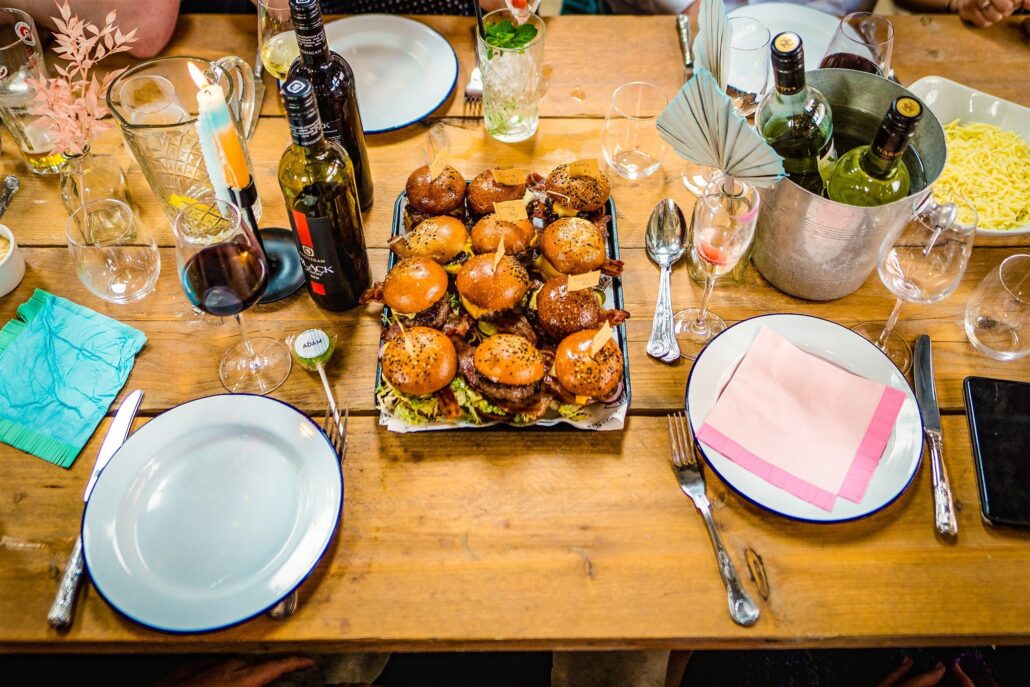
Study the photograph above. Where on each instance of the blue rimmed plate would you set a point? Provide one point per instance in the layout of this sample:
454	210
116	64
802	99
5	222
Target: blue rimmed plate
842	347
211	513
403	69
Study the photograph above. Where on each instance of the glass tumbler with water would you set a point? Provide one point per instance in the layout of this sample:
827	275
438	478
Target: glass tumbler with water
630	141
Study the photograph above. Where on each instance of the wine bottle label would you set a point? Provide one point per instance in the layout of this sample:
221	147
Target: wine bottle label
332	129
317	253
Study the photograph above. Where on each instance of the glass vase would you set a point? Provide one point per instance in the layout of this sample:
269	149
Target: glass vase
87	176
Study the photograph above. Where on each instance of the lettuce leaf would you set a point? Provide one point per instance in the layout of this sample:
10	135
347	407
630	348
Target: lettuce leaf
415	410
570	411
472	402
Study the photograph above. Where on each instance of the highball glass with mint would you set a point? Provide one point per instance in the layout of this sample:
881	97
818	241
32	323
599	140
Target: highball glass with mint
511	59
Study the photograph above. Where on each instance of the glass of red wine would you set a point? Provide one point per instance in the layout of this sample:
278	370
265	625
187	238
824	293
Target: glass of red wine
864	42
223	272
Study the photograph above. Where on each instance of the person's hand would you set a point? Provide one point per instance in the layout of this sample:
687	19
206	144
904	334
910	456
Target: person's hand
235	673
983	13
928	679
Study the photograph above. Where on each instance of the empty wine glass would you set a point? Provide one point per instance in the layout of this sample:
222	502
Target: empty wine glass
864	42
114	254
749	64
724	226
223	272
923	262
630	141
998	314
276	37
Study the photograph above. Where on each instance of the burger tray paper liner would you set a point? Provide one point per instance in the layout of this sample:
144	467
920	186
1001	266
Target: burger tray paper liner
603	417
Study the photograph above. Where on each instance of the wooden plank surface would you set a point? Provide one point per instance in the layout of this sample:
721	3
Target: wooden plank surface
553	539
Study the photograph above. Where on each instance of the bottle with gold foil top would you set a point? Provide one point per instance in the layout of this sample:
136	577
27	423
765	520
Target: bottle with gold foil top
875	174
796	119
317	180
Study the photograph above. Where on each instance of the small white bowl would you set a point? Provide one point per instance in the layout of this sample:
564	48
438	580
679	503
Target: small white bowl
949	101
12	265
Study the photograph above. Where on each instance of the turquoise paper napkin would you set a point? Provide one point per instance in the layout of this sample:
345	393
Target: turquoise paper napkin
61	366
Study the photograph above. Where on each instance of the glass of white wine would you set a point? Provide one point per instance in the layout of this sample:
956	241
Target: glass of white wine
923	263
276	37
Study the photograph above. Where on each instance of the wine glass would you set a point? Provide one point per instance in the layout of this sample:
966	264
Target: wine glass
630	141
864	42
923	262
746	84
276	37
748	77
223	272
724	226
114	255
998	314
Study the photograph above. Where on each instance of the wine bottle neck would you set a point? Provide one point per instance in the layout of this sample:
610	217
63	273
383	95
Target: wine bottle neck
885	151
311	38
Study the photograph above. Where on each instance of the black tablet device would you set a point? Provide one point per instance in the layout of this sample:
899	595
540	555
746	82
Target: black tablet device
999	427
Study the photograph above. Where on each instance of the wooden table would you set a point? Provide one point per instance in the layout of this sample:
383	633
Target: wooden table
539	539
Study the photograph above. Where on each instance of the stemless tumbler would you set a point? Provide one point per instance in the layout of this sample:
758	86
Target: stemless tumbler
114	255
998	314
630	141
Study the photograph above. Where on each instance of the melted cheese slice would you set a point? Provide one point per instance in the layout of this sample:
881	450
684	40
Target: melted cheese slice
563	211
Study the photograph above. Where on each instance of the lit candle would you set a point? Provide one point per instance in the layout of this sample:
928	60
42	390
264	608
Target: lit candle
219	142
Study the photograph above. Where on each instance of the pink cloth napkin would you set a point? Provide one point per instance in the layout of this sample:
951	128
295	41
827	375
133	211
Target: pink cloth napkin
802	423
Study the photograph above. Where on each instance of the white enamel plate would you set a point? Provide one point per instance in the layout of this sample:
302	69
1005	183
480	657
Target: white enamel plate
815	28
212	513
843	348
403	69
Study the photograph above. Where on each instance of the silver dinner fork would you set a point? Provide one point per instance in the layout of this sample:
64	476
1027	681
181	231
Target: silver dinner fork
335	429
474	88
687	467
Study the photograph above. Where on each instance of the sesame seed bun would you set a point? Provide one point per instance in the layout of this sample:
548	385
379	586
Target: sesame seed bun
582	194
485	291
572	246
509	359
413	285
438	238
437	196
487	233
484	191
423	365
578	372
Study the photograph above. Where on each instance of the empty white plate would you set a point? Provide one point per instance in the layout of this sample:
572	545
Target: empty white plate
211	513
815	28
403	69
842	347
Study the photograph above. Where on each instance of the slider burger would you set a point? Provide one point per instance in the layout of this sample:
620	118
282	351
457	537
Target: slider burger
506	369
444	195
488	232
416	291
484	191
487	292
443	239
561	312
419	365
573	196
581	378
574	246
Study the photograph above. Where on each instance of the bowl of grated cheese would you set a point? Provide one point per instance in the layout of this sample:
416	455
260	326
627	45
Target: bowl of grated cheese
988	141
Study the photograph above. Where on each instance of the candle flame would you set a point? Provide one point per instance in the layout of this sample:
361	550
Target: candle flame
197	75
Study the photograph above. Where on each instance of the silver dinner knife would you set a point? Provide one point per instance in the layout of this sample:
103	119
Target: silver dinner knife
926	394
683	29
60	615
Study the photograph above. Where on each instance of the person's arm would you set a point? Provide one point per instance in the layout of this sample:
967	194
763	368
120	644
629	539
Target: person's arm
980	13
154	20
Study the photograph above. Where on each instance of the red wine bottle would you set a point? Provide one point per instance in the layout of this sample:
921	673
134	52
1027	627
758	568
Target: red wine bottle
317	180
333	81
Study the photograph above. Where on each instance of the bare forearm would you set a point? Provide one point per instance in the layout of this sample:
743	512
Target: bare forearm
927	6
154	20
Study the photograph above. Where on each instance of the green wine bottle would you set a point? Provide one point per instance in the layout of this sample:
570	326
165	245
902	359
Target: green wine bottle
317	180
795	118
875	174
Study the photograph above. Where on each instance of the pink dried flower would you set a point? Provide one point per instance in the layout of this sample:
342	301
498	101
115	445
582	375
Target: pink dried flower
71	104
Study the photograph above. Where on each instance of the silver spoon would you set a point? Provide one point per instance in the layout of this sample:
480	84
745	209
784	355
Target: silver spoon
664	239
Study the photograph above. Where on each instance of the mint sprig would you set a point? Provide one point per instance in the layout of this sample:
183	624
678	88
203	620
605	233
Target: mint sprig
504	34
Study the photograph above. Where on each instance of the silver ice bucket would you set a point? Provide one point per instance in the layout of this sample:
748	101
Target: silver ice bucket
814	248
